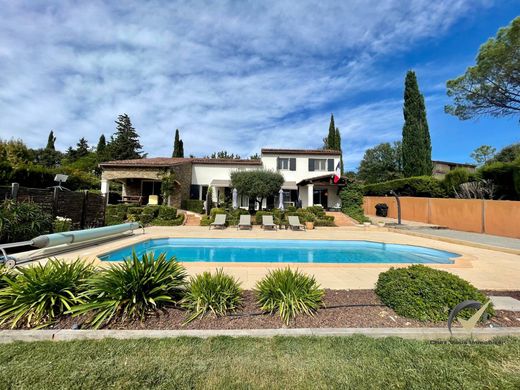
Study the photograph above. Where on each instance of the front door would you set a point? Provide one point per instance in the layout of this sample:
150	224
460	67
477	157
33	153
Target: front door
320	197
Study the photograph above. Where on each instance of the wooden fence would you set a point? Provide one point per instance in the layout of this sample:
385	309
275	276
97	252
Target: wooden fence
498	217
85	209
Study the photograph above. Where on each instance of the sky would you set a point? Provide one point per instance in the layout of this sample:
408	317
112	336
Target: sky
242	75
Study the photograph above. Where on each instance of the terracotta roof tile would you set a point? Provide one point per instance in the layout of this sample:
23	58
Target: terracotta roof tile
171	161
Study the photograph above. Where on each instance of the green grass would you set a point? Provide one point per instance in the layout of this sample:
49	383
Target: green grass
277	363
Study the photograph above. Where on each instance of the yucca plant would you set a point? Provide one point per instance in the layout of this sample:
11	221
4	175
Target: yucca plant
37	295
289	293
217	293
133	289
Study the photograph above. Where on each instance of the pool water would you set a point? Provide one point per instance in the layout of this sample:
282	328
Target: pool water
283	251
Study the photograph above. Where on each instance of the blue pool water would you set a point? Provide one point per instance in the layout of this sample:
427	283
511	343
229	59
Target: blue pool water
283	251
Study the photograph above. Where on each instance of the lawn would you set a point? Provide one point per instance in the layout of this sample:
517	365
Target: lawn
281	362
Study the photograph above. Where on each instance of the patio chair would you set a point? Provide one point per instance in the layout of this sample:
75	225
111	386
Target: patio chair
294	223
245	222
220	221
267	222
153	200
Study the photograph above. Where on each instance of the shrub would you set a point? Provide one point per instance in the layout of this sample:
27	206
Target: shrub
259	214
325	221
167	212
39	294
151	210
205	221
425	293
233	217
289	293
505	176
318	211
195	205
145	219
168	222
132	289
216	293
454	178
115	214
61	224
4	273
422	186
22	221
352	202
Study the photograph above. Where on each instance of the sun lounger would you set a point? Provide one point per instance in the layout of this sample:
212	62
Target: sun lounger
220	221
245	222
267	222
294	223
153	200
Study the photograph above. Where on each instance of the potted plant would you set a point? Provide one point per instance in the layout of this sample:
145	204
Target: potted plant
309	225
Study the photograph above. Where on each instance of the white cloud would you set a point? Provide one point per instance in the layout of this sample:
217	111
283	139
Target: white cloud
230	75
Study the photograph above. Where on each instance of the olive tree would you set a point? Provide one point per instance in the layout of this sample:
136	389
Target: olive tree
257	184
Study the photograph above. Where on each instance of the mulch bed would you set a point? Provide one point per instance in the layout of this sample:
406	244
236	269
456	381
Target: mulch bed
343	309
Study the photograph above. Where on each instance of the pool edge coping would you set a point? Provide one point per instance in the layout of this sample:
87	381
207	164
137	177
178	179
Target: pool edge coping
479	334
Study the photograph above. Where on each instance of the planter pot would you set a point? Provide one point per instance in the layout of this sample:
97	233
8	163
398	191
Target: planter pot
381	224
367	224
309	225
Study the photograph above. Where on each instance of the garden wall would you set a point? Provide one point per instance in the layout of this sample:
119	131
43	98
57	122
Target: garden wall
498	217
85	209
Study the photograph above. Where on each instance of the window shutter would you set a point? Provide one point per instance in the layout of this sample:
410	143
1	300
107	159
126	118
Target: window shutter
278	163
311	164
292	164
330	162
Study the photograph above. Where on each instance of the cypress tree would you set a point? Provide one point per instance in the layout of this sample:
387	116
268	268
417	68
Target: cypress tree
50	141
338	147
331	142
125	143
416	145
181	148
176	145
101	149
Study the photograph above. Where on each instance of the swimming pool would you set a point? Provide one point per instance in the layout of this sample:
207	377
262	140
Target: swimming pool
216	250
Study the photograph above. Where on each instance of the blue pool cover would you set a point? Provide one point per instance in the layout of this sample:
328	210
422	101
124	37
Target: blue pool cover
284	251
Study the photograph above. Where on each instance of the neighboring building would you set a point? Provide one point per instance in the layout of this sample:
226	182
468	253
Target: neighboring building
441	168
308	177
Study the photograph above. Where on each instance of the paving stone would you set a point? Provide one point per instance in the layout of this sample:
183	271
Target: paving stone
505	303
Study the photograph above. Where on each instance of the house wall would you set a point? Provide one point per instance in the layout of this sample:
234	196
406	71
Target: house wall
302	165
203	174
497	217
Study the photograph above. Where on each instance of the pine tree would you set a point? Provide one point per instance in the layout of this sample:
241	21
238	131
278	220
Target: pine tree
416	145
50	141
101	149
330	142
125	143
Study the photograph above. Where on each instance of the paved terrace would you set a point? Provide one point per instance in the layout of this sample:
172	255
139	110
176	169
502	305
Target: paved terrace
486	269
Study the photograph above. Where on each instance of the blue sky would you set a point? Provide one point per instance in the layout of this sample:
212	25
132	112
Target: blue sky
242	75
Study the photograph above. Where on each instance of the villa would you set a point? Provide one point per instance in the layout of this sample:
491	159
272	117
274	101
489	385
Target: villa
308	177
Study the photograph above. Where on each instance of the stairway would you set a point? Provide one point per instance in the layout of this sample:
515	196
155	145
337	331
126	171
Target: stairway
192	219
341	219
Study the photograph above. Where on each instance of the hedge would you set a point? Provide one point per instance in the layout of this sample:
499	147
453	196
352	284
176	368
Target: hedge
160	215
421	186
352	202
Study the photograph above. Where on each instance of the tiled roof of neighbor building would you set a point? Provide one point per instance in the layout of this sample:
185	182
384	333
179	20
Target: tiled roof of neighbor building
162	162
147	162
301	151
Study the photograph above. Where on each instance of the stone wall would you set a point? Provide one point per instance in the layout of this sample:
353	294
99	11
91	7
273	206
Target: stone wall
132	178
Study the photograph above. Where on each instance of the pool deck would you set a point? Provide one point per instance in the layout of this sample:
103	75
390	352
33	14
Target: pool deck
485	268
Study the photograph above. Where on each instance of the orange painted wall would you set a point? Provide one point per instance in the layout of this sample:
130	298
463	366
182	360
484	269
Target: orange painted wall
496	217
502	218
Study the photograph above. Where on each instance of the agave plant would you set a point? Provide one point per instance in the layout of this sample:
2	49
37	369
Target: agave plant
37	295
216	293
132	289
289	293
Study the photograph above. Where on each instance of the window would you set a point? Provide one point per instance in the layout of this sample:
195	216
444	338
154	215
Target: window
287	164
194	191
321	164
